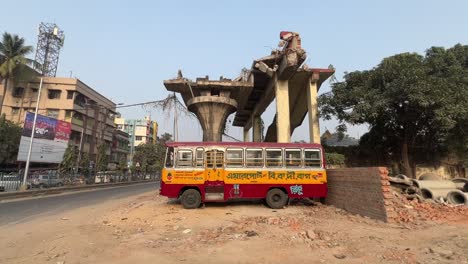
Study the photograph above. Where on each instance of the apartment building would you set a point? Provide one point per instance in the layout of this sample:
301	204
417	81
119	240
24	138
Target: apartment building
140	131
90	113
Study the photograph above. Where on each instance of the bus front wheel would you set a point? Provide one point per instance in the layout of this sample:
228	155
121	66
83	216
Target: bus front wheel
191	199
276	198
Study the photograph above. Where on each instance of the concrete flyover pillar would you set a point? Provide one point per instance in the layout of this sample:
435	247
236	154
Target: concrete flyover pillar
314	129
283	123
212	112
246	135
257	129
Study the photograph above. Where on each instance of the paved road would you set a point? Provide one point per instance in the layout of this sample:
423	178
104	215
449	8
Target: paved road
12	212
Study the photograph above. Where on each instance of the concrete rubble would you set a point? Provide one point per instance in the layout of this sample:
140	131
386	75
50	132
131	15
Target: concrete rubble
432	187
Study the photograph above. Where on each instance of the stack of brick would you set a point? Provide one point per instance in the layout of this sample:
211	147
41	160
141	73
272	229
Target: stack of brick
364	191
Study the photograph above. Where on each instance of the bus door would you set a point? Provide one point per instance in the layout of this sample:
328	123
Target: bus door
214	165
214	190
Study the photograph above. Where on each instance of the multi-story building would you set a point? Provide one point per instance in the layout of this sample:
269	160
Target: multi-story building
90	113
140	131
120	149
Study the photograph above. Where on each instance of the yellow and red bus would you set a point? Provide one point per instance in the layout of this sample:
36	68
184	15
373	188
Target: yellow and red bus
219	171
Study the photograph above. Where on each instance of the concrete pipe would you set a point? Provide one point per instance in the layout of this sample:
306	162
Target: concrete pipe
462	186
457	197
434	184
435	194
429	176
461	183
401	176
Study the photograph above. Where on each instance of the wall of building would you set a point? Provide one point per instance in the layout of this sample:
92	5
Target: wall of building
90	117
363	191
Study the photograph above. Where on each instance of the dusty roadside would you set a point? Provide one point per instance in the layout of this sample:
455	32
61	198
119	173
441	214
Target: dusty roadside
150	229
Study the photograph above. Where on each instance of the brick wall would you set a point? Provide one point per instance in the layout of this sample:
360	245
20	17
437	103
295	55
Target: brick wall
363	191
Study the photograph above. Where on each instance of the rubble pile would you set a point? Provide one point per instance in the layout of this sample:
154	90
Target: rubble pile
431	186
415	210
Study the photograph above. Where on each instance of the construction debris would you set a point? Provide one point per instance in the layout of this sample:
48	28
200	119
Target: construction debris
431	186
417	211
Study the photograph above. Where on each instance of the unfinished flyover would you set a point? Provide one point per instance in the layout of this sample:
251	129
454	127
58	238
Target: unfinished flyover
282	75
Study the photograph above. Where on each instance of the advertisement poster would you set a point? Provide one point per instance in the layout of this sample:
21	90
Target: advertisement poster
50	139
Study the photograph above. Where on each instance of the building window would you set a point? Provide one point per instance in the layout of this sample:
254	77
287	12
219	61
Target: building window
293	157
54	94
14	110
70	94
18	92
53	113
254	158
68	113
138	138
34	90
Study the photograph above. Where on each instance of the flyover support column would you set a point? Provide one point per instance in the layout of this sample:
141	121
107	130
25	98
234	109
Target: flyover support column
314	129
246	135
283	123
257	129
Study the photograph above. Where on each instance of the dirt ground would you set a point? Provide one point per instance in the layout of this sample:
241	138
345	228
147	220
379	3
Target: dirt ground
151	229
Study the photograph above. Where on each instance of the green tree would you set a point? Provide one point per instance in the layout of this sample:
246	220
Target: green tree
69	159
122	164
101	159
13	61
84	163
410	101
335	159
10	136
151	156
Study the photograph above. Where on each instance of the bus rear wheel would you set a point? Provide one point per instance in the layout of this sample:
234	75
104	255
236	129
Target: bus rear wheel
276	198
191	199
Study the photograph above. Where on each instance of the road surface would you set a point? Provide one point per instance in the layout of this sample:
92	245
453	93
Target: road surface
13	212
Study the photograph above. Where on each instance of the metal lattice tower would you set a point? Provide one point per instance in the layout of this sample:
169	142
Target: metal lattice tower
50	41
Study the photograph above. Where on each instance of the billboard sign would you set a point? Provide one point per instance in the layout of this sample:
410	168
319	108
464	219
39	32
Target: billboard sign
50	139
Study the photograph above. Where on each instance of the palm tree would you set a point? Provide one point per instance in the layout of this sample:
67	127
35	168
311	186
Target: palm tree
12	60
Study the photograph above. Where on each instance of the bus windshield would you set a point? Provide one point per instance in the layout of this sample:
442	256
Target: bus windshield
170	157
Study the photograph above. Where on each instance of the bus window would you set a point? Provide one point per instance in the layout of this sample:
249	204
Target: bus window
199	158
312	158
254	158
274	158
293	157
169	158
184	158
234	158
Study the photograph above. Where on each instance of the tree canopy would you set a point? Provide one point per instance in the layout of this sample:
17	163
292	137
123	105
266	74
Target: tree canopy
151	156
10	136
13	60
411	102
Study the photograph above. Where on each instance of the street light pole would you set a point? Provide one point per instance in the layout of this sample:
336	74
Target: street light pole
26	169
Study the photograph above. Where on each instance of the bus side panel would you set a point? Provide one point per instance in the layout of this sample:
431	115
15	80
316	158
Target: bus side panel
173	190
259	191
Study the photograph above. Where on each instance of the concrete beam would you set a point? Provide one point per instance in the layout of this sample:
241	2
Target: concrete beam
267	97
264	68
246	135
257	129
282	111
312	106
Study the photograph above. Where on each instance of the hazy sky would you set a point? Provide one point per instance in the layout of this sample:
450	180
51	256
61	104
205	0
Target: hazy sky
125	49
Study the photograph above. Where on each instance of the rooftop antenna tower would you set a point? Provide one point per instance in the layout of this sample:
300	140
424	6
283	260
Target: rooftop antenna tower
50	41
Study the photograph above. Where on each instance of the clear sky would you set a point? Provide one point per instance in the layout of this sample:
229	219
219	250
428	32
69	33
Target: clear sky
125	49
